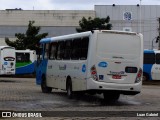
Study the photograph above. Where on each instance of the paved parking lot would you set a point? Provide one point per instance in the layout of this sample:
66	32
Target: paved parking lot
22	94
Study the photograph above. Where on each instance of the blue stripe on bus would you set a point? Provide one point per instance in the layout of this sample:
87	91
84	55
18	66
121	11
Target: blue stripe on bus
28	69
148	51
45	40
147	69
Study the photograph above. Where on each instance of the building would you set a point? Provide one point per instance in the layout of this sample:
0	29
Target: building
133	18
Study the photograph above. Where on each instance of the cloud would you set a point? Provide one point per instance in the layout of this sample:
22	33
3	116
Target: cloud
68	4
43	4
11	4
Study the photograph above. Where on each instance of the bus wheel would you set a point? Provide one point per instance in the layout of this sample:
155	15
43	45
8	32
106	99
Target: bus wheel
145	77
69	89
111	96
44	87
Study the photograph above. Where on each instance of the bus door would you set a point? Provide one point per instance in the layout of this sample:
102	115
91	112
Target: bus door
41	62
39	52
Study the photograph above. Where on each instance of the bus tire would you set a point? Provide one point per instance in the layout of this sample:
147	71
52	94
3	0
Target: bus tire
44	87
111	96
145	77
69	89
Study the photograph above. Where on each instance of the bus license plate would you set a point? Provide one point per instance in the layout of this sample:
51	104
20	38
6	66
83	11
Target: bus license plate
116	76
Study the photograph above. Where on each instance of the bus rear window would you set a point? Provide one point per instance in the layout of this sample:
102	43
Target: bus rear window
131	69
9	59
22	57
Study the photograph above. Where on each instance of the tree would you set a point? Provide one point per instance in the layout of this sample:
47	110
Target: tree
27	40
93	24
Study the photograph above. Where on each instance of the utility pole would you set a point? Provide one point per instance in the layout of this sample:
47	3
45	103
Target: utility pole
140	15
159	34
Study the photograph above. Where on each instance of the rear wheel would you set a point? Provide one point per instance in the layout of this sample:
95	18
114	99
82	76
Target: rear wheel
69	89
145	77
111	96
44	87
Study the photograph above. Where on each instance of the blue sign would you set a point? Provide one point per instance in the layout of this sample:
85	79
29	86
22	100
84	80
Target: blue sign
103	64
5	63
127	16
101	77
84	68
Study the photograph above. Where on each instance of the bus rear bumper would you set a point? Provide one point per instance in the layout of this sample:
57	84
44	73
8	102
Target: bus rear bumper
126	89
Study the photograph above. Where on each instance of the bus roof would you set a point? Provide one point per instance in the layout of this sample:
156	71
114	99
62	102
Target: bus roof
25	51
70	36
151	51
1	47
83	34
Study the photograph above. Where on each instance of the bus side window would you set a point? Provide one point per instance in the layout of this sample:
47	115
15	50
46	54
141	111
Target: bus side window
46	50
68	48
84	48
39	52
76	50
158	58
27	57
149	58
60	50
18	57
53	51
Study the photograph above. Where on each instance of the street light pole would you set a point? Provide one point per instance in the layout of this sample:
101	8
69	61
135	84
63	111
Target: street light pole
159	34
140	18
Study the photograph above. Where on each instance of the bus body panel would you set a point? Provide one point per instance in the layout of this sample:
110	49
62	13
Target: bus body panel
122	88
118	56
57	76
7	57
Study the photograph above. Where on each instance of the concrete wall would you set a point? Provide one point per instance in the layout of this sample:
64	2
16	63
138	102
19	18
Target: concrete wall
43	17
54	22
149	22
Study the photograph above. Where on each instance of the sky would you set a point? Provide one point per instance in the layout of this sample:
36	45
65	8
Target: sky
68	4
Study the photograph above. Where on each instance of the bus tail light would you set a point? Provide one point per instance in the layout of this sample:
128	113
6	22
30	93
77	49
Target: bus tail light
139	76
94	73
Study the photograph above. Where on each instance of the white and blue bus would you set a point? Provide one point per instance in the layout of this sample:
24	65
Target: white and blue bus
100	61
25	61
7	60
151	65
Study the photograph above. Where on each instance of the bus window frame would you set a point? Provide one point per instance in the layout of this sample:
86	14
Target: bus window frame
67	49
77	49
60	51
84	48
54	55
157	58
